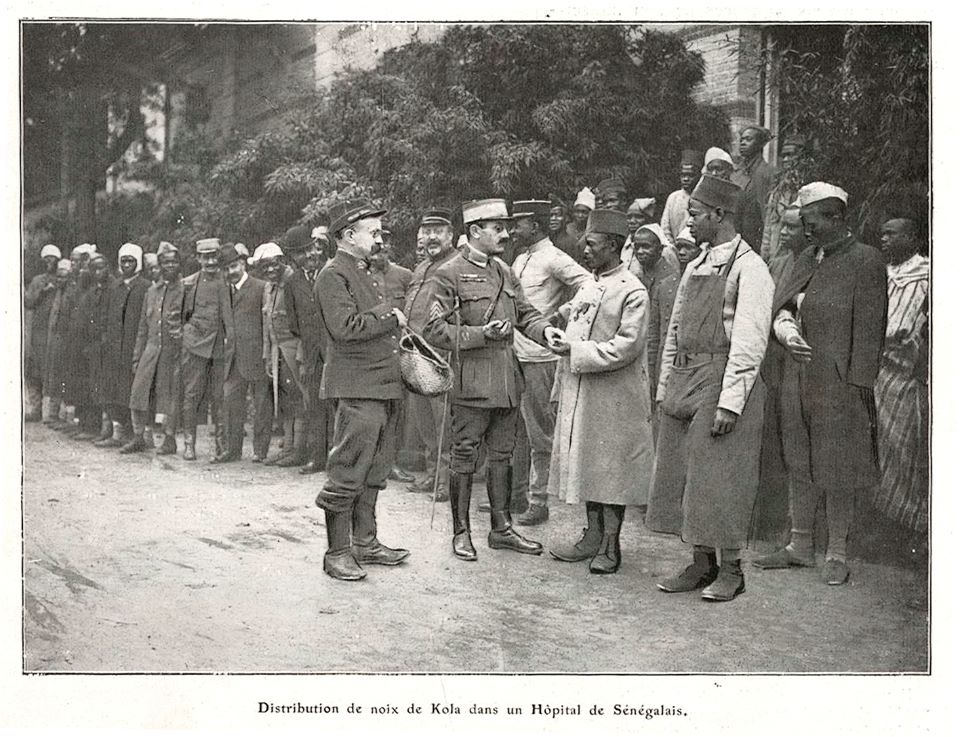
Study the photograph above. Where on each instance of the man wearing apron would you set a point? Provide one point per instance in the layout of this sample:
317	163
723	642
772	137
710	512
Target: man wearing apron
710	395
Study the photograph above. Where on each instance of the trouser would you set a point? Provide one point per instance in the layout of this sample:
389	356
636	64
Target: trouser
201	378
320	416
804	499
235	412
363	452
494	426
540	418
520	478
428	412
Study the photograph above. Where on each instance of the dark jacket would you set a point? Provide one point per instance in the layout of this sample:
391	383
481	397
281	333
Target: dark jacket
38	299
90	322
360	333
156	355
203	333
304	317
662	285
417	302
243	328
123	321
488	373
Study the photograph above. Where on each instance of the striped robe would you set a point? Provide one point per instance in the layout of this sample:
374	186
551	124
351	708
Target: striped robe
902	401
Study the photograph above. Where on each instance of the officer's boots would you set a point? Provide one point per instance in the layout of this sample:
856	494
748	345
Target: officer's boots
460	486
367	548
589	543
502	535
338	561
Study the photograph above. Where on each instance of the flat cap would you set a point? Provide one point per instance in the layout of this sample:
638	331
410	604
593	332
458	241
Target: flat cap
346	213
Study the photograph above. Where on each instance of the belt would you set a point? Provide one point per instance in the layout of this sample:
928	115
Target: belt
685	359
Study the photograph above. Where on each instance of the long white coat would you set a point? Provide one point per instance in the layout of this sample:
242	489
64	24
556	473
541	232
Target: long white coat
603	443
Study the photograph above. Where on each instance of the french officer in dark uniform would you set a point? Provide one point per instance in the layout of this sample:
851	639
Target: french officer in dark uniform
361	333
488	381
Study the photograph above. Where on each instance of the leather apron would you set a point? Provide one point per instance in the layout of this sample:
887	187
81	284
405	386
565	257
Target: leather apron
704	487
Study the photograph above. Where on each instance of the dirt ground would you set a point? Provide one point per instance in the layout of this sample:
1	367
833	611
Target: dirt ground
145	564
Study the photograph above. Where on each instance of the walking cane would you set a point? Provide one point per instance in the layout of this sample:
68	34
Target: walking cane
446	409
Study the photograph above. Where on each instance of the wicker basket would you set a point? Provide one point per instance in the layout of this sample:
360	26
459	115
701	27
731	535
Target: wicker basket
422	369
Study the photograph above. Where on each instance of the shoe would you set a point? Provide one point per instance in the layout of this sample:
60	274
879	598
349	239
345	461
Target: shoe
106	433
379	554
835	572
510	539
702	572
343	566
84	436
588	544
423	486
311	467
536	514
783	558
226	457
607	559
168	447
110	442
136	445
397	474
274	460
728	585
189	451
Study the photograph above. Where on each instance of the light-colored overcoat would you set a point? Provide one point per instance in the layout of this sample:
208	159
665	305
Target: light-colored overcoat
603	443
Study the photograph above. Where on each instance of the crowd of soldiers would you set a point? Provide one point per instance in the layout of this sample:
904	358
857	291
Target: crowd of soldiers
724	368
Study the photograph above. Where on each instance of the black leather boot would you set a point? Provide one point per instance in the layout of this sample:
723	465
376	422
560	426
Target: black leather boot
460	486
502	535
589	543
338	561
607	559
366	547
702	572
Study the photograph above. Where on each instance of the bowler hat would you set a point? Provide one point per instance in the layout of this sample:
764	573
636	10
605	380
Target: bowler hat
228	254
347	212
296	239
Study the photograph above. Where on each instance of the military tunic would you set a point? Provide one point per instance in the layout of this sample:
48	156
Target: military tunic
488	380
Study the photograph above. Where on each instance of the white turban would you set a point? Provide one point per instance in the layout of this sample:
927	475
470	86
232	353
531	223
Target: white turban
263	251
686	235
83	248
713	154
642	204
586	198
816	191
50	250
657	231
131	249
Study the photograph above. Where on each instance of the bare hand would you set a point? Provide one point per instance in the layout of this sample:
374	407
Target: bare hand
497	330
268	368
557	341
799	349
723	422
401	318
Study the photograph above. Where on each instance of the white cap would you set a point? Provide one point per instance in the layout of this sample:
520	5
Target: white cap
265	250
816	191
131	249
86	248
713	154
642	203
242	249
65	264
50	250
586	198
657	231
686	235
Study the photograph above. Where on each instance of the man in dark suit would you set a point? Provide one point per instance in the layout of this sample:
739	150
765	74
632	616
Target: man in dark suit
205	301
830	315
243	365
123	321
300	248
362	371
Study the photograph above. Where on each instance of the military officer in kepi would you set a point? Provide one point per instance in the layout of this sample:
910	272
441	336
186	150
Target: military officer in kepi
476	305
